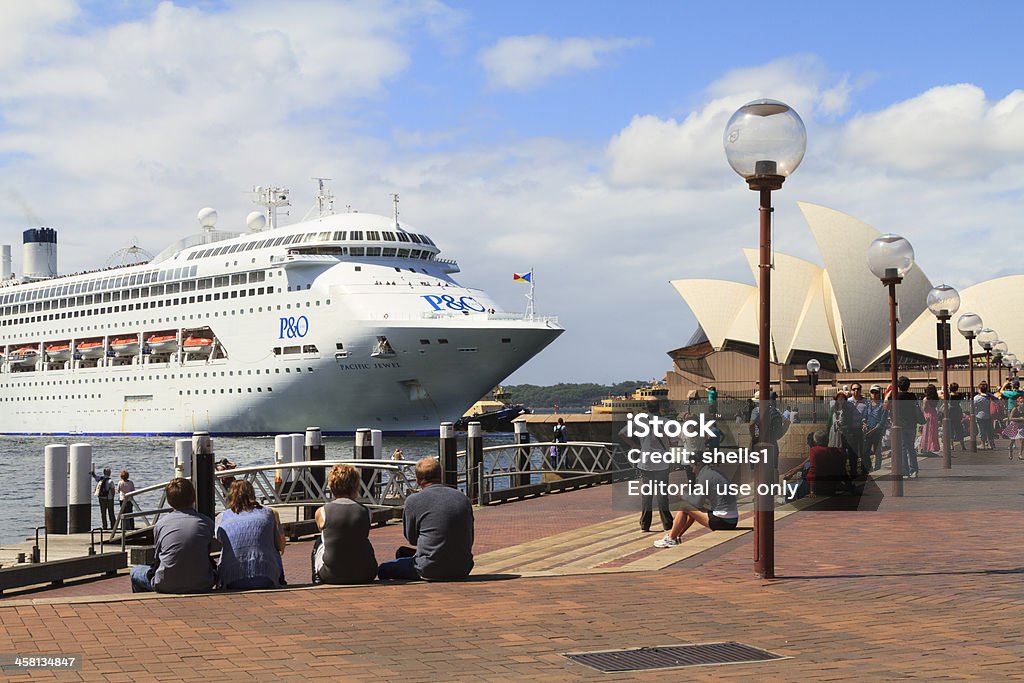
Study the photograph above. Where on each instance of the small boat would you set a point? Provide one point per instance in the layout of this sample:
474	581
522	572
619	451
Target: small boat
126	346
27	355
58	352
90	349
163	343
200	346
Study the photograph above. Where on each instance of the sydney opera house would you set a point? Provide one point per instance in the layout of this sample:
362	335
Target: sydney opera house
837	313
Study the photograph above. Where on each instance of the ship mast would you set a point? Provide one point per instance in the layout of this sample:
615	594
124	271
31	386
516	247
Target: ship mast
324	199
394	198
270	198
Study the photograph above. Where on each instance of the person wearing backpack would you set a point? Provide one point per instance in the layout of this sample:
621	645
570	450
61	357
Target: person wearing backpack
105	495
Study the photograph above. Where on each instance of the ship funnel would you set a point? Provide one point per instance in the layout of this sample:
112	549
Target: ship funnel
5	262
39	253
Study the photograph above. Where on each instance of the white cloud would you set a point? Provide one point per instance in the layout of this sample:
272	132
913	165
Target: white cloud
951	131
667	152
527	62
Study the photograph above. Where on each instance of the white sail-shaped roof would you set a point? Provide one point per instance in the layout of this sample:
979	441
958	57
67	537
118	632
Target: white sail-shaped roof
798	305
991	300
719	306
862	301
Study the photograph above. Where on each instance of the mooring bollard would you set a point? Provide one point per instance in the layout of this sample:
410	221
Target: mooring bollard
363	450
522	454
55	488
298	455
203	467
314	450
474	457
377	439
183	458
80	489
282	454
447	453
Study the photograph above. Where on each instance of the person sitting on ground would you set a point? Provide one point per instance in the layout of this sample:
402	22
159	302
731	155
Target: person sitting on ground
343	553
712	509
803	488
251	540
182	540
826	472
439	522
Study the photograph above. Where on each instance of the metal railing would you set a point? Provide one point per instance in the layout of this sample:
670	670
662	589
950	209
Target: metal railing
508	468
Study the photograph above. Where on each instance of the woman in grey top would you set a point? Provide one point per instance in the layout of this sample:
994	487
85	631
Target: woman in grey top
344	554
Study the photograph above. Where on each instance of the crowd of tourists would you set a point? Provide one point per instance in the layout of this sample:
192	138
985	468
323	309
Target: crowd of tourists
438	523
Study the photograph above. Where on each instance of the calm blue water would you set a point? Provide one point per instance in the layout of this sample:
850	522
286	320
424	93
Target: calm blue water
149	460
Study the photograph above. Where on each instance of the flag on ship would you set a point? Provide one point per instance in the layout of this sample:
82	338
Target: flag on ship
524	277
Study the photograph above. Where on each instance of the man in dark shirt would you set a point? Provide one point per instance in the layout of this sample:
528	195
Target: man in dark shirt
182	541
439	522
907	415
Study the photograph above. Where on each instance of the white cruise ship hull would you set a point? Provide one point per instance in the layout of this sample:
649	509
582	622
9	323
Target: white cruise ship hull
336	343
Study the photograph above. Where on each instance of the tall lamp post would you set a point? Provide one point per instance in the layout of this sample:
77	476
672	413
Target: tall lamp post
943	302
999	351
890	257
813	366
969	325
764	142
987	338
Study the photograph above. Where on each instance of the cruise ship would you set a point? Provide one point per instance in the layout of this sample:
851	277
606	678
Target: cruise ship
342	321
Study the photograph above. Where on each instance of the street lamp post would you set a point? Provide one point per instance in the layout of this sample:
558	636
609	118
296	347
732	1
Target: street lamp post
987	338
890	257
943	302
764	142
999	351
813	366
969	325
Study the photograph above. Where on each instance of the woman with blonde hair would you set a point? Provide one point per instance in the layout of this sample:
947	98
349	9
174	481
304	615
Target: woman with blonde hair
343	553
251	540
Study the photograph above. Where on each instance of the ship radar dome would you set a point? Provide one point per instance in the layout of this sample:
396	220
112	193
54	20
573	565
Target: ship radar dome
207	218
256	221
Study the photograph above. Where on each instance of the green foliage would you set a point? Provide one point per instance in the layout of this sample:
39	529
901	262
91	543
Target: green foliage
568	397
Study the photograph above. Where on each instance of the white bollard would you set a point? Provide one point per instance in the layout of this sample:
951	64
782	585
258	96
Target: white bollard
55	488
183	458
282	454
377	439
80	489
298	447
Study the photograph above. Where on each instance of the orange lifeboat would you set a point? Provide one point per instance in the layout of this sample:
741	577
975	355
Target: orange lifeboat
200	346
163	343
27	355
127	346
90	349
58	351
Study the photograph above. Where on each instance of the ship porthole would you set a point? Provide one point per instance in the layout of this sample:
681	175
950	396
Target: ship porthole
385	316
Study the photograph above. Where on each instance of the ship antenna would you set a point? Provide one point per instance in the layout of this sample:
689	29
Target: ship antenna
530	315
394	198
324	199
270	198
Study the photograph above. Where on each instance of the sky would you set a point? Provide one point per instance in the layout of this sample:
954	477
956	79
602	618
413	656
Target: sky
582	139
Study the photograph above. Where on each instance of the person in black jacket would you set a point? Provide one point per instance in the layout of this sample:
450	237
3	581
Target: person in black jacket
908	415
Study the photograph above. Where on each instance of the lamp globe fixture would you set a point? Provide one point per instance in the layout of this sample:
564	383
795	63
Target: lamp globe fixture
969	325
813	365
1000	347
890	257
987	337
943	301
765	138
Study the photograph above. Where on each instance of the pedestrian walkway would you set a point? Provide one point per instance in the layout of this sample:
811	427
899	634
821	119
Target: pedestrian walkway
929	586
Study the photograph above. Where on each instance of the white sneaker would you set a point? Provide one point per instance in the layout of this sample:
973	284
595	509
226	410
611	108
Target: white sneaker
666	542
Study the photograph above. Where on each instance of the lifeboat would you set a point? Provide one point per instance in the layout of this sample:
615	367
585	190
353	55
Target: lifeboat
163	343
200	346
90	349
27	355
126	346
59	351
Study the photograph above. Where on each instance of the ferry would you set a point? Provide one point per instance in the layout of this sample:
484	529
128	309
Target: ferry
341	321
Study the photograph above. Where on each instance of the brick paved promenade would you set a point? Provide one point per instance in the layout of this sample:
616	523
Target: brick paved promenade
928	587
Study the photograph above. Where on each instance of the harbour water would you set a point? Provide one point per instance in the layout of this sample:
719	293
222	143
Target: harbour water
149	460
